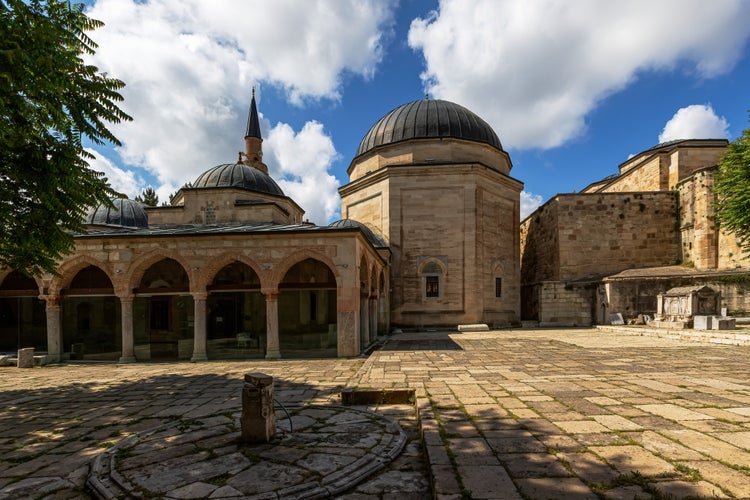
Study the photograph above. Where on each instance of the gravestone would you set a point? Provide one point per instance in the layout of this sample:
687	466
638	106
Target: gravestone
703	322
616	319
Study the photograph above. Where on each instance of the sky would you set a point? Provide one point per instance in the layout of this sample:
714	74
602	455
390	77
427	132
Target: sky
573	89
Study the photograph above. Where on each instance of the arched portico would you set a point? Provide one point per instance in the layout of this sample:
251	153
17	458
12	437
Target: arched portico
90	316
236	314
307	312
22	317
163	313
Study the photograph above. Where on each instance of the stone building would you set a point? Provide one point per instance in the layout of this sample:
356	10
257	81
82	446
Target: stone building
620	242
229	270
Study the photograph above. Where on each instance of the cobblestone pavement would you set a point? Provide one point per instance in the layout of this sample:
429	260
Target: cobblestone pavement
506	414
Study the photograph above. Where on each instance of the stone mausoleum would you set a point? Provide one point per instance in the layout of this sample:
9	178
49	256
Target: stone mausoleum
229	270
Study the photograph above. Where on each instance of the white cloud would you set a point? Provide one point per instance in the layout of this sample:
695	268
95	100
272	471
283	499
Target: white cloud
123	181
529	203
189	66
300	162
535	69
695	122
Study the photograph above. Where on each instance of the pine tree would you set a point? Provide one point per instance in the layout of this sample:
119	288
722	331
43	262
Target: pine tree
148	197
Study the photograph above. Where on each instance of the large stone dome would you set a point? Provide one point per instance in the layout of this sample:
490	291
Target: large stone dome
125	213
428	119
238	175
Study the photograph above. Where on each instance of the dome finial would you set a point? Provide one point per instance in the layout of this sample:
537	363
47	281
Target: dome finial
253	91
426	96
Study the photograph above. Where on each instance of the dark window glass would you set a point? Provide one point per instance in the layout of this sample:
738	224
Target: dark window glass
498	287
432	286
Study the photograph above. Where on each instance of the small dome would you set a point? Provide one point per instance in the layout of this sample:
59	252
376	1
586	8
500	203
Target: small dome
238	175
376	240
428	119
125	213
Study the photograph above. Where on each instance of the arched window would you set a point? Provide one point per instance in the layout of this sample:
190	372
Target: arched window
432	274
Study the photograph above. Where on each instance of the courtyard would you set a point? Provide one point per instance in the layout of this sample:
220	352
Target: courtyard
573	413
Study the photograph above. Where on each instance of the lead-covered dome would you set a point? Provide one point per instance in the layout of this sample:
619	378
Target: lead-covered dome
375	239
428	119
124	212
238	175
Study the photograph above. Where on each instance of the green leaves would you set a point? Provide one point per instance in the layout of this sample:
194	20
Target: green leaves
733	190
50	100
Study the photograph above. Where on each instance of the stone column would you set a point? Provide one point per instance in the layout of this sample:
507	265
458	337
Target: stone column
348	321
199	327
272	324
126	312
364	321
373	304
54	330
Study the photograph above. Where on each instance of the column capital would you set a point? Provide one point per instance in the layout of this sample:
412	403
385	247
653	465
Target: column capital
199	295
126	298
270	293
53	301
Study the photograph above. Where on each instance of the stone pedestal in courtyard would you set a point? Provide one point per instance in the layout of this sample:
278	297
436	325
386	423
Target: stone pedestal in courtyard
26	357
258	421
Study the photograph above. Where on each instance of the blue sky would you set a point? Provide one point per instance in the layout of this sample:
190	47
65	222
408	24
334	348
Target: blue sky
572	88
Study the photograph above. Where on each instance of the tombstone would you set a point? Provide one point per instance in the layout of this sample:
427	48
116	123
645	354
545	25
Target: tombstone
703	322
26	357
677	307
258	420
724	323
723	312
616	319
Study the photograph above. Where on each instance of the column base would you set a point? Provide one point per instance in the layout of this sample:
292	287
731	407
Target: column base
127	359
198	357
273	355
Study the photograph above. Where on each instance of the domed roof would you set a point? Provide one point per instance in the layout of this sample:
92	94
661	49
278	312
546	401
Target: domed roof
238	175
428	119
126	213
376	240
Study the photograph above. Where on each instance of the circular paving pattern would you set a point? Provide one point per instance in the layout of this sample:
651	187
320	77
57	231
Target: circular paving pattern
319	452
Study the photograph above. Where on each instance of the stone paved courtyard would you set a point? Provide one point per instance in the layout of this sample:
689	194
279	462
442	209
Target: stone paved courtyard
506	414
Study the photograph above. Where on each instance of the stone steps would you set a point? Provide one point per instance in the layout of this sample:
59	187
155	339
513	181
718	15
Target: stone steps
709	336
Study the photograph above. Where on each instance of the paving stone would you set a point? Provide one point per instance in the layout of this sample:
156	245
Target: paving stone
533	465
581	426
193	490
627	493
627	459
444	480
589	467
656	443
720	475
684	489
710	446
616	423
673	412
484	482
553	488
472	451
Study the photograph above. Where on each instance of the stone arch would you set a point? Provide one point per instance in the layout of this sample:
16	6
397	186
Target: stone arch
295	258
432	273
219	262
432	260
5	273
373	280
70	268
308	309
138	268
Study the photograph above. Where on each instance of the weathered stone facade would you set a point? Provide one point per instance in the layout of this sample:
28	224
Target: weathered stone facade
657	212
459	216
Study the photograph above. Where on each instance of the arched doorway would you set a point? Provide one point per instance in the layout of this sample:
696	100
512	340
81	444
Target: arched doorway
235	314
163	313
91	317
23	321
307	311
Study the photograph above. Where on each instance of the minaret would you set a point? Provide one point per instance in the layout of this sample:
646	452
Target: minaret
253	140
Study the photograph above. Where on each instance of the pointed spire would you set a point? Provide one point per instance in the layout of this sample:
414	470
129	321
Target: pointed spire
253	140
253	123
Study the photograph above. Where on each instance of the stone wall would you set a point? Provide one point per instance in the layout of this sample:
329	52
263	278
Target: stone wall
650	175
638	296
561	304
582	235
